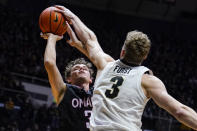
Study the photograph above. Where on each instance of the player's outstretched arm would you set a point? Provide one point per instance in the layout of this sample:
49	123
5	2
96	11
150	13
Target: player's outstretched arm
75	42
157	91
88	39
57	84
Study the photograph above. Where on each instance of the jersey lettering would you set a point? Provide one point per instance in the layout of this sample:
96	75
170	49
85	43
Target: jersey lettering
77	102
124	70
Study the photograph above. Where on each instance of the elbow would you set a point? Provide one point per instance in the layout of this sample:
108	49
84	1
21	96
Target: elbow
179	113
184	115
49	63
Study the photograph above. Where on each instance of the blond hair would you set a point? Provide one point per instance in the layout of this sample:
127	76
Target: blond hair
136	46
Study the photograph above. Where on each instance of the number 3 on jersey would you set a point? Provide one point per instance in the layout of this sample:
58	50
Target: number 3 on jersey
118	80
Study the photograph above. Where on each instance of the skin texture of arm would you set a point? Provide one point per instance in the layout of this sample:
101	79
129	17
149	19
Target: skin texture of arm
57	84
156	90
89	43
75	42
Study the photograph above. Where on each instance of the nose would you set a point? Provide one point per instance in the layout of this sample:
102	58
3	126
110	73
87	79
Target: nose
81	69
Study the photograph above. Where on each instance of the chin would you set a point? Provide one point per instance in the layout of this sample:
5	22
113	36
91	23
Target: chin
82	79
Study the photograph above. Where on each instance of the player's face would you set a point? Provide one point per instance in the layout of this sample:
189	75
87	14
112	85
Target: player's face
80	72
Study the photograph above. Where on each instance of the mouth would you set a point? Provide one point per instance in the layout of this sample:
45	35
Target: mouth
82	72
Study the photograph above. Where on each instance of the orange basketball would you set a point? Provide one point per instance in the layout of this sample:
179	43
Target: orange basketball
52	22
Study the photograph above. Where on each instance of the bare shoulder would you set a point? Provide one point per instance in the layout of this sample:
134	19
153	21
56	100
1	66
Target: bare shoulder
150	80
152	85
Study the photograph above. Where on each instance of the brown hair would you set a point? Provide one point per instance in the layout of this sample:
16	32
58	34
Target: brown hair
77	61
137	46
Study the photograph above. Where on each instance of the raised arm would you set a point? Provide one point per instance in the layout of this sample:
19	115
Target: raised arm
57	84
157	91
89	41
73	41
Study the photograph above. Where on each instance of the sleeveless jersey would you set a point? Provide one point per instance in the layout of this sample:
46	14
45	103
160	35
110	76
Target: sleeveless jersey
75	109
118	98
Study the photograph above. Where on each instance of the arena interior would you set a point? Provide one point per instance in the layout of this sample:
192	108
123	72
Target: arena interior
26	102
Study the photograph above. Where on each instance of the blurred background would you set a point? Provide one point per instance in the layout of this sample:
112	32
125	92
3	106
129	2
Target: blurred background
26	102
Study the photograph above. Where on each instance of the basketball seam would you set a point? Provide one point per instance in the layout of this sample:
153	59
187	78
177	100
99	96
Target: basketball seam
59	24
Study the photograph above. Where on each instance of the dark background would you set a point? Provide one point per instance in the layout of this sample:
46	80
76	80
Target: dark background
171	26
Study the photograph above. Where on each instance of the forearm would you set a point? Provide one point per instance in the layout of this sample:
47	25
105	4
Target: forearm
155	89
55	78
81	47
50	52
85	35
82	31
90	52
89	45
187	116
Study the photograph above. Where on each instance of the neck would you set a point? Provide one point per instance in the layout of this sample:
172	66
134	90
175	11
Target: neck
82	85
130	63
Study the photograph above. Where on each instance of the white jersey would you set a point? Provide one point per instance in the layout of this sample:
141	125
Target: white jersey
118	98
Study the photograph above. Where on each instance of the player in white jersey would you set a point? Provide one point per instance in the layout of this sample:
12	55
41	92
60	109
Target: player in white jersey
123	87
118	98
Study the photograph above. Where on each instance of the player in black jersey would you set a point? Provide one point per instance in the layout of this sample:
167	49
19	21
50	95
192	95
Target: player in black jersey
74	99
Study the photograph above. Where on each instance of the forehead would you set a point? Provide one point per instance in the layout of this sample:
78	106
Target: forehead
79	65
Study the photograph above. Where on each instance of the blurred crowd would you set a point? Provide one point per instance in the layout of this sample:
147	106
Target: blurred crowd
172	59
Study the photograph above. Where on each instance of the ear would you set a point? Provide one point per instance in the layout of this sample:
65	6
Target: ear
90	81
68	79
122	53
145	57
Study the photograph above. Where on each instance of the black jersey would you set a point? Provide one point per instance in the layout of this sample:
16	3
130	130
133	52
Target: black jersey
75	109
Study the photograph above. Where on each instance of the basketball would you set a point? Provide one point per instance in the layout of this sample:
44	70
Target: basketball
52	22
